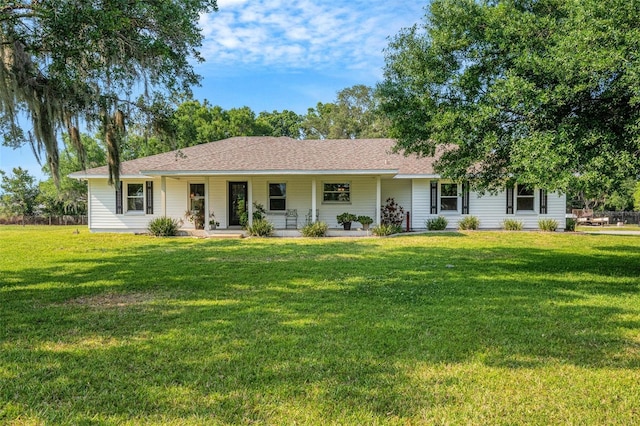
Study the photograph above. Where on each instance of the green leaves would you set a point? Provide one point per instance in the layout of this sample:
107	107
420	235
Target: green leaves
68	61
544	91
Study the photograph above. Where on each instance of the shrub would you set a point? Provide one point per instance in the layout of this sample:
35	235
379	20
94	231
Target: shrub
345	217
571	225
259	211
261	228
512	225
163	227
385	229
549	225
392	213
437	224
314	230
469	223
365	220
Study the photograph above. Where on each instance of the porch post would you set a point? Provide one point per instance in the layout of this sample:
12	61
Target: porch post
378	200
250	201
206	204
163	195
313	201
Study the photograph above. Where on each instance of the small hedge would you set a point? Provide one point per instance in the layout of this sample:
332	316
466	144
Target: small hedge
261	228
163	227
469	223
512	225
315	230
437	224
548	225
571	225
386	229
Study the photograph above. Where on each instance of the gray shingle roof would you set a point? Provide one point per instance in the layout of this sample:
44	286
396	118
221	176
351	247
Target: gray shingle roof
262	154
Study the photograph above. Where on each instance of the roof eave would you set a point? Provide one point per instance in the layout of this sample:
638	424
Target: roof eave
417	176
265	172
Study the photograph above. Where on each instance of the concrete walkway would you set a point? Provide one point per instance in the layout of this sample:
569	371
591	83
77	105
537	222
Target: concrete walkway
610	232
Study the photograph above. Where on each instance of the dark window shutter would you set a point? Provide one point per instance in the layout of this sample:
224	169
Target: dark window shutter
149	197
434	197
510	194
543	201
465	198
119	198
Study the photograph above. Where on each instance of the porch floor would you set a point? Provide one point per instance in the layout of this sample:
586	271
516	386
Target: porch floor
286	233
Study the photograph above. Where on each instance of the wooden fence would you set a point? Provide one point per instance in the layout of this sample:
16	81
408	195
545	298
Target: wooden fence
45	220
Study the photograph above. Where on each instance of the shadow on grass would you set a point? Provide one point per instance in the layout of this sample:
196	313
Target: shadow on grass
237	331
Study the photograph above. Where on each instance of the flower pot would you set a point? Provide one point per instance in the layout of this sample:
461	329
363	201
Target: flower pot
365	226
347	226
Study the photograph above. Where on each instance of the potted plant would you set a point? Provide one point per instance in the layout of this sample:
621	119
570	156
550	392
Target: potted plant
196	217
345	220
365	221
213	223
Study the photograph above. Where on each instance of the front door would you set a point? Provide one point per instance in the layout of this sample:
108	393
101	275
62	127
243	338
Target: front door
237	203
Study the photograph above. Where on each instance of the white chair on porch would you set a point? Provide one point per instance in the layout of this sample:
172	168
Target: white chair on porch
309	216
291	219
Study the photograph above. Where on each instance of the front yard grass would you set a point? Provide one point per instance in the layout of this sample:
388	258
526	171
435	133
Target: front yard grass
447	328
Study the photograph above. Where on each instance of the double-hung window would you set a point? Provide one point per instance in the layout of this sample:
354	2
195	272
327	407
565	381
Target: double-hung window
449	197
277	196
525	198
336	192
135	197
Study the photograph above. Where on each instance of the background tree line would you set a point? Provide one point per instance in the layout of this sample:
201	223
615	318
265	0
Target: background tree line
542	92
352	115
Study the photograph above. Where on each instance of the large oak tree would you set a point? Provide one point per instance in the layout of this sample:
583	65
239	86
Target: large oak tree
67	63
540	91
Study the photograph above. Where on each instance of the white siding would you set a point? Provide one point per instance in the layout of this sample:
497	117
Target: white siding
102	214
490	209
299	190
401	191
412	194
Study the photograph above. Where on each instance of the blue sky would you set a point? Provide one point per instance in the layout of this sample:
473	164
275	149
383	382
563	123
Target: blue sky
284	54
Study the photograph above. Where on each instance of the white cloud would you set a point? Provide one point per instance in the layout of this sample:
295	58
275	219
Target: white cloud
304	34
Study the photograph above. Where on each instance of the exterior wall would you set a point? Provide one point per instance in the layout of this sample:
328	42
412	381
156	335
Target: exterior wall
102	210
490	209
401	191
412	194
299	194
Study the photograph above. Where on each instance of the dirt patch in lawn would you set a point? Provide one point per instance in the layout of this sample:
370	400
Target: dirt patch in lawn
111	300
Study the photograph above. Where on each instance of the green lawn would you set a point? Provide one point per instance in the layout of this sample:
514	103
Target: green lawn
458	328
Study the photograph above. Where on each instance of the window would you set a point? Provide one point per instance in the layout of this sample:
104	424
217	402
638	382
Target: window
278	196
525	198
449	197
336	192
196	197
135	197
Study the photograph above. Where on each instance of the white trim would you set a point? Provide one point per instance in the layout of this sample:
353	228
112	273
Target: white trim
126	197
378	217
263	172
314	200
339	202
457	196
275	182
87	176
416	176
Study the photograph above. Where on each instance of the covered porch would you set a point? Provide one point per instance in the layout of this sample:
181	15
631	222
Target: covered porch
288	201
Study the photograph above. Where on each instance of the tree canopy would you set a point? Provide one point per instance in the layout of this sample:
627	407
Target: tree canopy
544	92
67	62
353	115
19	192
